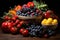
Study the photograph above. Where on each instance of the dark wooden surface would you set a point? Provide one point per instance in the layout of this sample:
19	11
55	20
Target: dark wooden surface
20	37
4	36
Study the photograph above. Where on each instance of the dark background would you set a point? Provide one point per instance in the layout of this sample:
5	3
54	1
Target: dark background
5	4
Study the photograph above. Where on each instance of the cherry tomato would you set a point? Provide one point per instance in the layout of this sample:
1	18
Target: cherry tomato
13	18
21	22
13	29
25	32
18	26
4	25
7	18
17	21
21	30
9	25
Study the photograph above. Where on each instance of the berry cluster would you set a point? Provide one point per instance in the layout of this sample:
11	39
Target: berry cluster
29	11
39	31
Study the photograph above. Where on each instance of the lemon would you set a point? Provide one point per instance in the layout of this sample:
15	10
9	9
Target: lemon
50	19
48	22
44	22
55	22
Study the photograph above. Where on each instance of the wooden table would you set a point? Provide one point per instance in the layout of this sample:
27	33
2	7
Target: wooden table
4	36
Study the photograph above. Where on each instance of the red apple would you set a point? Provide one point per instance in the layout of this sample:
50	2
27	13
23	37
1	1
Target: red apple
48	14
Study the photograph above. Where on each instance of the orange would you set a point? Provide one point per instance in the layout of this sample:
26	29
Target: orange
12	12
18	7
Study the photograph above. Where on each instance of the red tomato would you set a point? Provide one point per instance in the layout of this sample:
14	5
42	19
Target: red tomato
18	26
21	30
9	25
16	16
13	18
13	29
14	24
17	21
21	22
25	32
29	4
7	18
4	25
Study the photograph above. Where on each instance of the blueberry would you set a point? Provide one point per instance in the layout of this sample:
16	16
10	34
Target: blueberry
31	11
33	33
33	29
25	14
51	33
30	29
40	32
36	30
28	13
41	28
38	27
32	25
18	13
30	33
35	14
